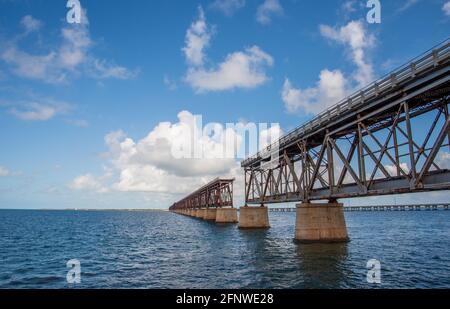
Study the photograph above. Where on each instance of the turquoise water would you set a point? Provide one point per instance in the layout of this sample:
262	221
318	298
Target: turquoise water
119	249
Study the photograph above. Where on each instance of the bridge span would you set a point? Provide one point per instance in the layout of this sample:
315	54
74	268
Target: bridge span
213	201
390	137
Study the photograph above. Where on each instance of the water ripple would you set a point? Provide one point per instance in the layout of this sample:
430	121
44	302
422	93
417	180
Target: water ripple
163	250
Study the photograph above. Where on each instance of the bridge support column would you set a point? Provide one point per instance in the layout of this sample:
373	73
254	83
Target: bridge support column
201	213
226	215
254	217
210	214
320	223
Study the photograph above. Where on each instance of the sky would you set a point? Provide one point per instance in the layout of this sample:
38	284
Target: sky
89	111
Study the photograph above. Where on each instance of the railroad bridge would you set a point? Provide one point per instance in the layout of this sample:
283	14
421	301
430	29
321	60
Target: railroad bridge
213	201
390	137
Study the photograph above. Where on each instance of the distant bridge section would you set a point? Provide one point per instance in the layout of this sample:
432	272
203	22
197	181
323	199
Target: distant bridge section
390	137
213	202
217	193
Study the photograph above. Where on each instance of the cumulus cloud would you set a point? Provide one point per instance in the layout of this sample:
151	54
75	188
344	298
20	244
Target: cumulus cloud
241	69
356	37
446	8
244	69
70	58
331	87
4	172
392	169
267	10
228	7
39	111
150	164
157	148
197	39
443	160
334	85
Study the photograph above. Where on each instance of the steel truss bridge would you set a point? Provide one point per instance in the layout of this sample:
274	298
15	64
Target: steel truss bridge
390	137
216	194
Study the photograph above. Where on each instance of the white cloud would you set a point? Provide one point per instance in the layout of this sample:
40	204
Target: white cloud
331	87
392	169
443	160
244	69
103	70
70	58
355	36
39	67
446	8
241	69
349	6
148	164
267	10
157	149
197	39
76	42
30	23
88	182
4	172
228	7
39	111
334	85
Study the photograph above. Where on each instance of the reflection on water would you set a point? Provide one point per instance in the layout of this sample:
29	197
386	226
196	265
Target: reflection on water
321	263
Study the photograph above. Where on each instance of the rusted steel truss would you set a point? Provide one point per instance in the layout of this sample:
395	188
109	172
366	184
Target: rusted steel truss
218	193
394	141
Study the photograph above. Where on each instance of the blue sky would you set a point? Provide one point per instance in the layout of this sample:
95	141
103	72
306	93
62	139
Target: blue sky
77	101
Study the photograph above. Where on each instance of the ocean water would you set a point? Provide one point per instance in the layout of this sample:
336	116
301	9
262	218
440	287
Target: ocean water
122	249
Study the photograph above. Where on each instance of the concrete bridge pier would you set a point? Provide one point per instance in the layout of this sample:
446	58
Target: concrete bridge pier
210	214
320	223
226	215
201	213
254	217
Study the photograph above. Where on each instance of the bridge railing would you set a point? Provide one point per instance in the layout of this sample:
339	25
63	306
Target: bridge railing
414	67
